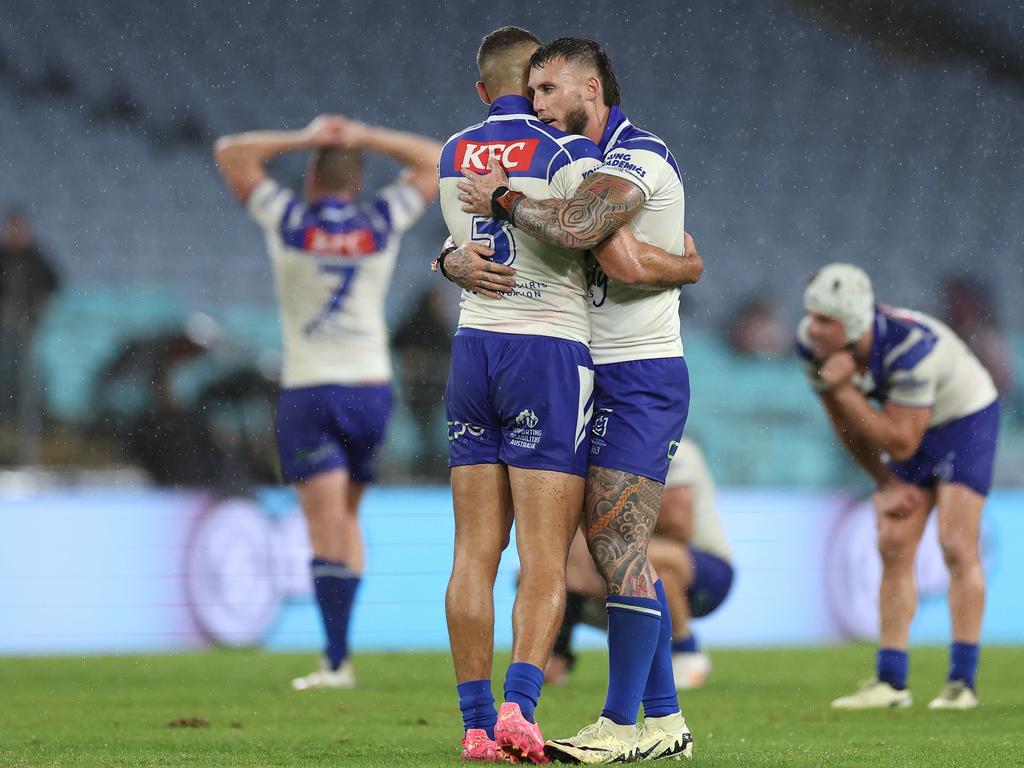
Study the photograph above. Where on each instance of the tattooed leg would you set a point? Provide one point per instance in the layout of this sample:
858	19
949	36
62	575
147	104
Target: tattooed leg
620	512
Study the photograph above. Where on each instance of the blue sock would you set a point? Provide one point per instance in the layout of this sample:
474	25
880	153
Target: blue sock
634	628
963	662
477	704
660	697
522	686
892	667
335	586
687	644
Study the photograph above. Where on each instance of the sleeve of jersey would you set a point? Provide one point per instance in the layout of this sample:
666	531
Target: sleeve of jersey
578	159
913	385
643	167
267	203
400	205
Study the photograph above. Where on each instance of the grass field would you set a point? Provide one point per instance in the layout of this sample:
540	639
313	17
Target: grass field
762	708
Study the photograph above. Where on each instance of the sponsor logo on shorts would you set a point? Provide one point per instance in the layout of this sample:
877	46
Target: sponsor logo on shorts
526	434
527	418
457	429
673	446
599	430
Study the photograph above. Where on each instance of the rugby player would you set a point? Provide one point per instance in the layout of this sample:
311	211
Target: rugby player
931	443
508	358
690	553
519	399
641	383
333	259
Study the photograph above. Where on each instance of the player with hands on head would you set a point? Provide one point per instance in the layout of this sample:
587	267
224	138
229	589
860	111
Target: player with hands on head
333	259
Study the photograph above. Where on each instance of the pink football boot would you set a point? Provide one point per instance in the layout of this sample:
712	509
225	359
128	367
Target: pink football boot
517	736
477	746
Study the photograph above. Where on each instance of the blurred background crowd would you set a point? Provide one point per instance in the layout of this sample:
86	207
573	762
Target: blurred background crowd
139	332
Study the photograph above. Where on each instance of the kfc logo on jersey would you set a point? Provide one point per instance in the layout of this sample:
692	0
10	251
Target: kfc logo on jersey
513	155
358	242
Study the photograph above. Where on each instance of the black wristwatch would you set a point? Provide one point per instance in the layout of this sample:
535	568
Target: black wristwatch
504	202
439	261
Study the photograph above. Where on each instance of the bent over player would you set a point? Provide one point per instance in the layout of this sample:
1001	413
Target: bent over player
931	443
333	259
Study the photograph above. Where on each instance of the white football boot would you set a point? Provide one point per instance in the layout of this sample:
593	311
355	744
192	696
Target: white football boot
955	695
663	738
602	742
874	694
325	677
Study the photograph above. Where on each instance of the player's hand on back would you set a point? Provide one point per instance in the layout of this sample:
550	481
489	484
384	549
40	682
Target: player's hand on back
837	370
471	268
476	191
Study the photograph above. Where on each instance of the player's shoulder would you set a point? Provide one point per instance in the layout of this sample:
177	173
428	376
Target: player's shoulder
905	337
525	146
632	139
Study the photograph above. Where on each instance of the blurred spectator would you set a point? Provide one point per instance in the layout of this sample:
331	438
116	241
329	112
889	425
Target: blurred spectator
217	434
27	282
757	329
423	342
971	313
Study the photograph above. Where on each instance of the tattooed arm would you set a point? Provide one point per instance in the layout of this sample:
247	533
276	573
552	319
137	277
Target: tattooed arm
602	204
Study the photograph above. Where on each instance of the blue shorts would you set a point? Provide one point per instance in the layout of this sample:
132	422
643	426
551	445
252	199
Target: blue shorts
712	580
640	410
961	451
520	400
331	427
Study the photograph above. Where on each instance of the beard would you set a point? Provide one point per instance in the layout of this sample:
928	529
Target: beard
576	121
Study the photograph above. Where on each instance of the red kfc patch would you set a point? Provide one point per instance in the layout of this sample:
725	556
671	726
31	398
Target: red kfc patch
513	155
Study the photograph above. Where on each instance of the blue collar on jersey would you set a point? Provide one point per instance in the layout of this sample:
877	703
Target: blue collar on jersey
616	117
510	105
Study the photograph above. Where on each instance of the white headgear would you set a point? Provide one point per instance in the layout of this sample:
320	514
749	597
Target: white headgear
843	292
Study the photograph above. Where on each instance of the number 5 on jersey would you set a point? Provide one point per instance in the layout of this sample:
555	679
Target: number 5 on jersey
496	235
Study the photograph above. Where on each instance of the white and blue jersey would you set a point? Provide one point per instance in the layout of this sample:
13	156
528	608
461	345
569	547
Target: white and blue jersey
641	383
333	261
542	162
521	381
919	362
631	323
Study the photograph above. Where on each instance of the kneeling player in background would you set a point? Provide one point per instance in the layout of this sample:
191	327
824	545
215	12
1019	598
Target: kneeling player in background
689	552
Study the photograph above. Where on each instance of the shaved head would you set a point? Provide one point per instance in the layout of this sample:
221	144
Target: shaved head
504	58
